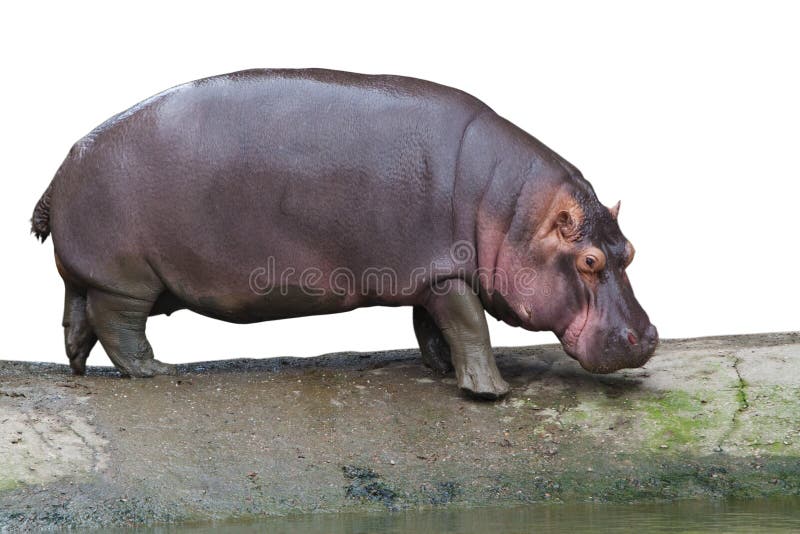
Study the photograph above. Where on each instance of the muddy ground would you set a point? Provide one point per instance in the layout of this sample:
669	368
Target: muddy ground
711	417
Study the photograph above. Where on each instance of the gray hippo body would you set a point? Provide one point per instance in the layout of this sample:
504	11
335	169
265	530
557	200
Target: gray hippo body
268	194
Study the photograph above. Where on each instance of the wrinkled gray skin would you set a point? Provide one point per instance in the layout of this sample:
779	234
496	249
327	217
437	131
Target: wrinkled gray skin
206	195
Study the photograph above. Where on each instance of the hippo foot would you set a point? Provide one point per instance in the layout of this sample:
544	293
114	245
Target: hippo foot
486	386
149	369
78	366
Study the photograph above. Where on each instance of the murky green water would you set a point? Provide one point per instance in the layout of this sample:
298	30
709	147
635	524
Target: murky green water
760	516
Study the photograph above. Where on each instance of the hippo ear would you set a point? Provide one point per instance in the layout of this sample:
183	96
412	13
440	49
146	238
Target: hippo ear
615	210
564	218
568	225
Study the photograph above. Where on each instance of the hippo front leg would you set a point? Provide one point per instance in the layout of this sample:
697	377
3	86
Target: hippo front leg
458	313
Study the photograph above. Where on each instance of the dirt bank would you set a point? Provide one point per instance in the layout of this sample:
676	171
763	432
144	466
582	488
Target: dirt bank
706	417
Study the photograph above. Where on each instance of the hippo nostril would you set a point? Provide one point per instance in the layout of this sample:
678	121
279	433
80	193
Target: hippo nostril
631	338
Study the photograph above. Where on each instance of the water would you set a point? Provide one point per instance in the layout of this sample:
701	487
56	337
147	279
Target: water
761	516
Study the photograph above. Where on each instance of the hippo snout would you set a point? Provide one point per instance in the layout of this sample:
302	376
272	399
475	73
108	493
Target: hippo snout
627	348
621	348
635	343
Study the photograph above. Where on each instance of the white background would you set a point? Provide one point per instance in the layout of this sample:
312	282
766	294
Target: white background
688	111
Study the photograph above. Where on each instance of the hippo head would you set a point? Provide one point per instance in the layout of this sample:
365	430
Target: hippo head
564	260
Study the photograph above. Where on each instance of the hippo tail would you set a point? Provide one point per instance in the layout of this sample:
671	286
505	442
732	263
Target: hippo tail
40	221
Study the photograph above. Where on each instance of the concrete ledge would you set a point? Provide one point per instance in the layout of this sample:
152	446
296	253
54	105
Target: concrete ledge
711	417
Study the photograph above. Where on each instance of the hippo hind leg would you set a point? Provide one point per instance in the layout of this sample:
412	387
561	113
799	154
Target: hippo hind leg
119	322
79	337
432	344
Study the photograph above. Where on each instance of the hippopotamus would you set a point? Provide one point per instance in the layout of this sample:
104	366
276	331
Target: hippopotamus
268	194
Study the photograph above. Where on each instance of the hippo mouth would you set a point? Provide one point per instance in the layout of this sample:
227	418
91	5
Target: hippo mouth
569	339
571	336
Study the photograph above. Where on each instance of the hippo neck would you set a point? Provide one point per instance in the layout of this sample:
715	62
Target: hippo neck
498	162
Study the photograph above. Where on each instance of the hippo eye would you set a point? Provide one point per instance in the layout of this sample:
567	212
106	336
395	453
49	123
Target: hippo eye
592	260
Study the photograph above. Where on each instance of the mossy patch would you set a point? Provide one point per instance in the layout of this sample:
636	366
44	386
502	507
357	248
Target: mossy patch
715	476
677	419
665	422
